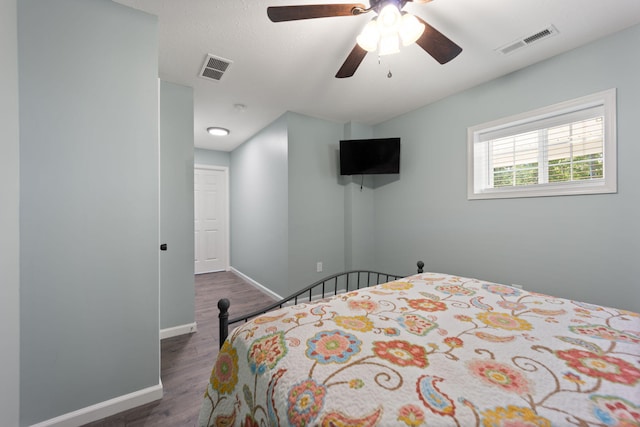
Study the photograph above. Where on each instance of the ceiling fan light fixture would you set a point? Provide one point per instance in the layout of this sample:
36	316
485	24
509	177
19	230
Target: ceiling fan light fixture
369	37
389	43
389	19
410	29
385	32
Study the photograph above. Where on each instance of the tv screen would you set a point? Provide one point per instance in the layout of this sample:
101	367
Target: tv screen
369	156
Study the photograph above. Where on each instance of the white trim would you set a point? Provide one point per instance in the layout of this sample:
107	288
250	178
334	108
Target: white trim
606	99
105	409
188	328
256	284
227	239
159	252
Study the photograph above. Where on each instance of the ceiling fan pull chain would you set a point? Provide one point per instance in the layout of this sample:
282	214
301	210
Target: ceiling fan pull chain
389	75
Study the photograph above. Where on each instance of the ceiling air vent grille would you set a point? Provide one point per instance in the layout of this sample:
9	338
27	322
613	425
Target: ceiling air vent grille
214	67
537	36
528	40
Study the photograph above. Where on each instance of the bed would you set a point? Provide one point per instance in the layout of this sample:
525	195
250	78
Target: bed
429	349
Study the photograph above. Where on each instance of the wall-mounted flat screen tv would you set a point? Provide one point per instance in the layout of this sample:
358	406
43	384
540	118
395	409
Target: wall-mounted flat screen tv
369	156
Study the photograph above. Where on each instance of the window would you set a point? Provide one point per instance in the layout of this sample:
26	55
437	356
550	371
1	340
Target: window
567	148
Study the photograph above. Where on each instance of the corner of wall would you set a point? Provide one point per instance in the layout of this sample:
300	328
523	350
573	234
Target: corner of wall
259	183
9	219
358	209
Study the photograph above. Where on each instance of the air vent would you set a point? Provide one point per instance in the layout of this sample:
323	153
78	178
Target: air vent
528	40
214	67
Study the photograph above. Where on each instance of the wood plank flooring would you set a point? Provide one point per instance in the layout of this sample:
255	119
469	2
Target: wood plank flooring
187	359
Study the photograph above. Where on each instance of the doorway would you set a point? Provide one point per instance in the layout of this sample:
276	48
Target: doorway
211	218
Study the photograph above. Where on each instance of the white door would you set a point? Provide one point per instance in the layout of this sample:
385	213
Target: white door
211	219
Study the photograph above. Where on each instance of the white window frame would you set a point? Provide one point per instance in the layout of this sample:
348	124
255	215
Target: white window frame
478	186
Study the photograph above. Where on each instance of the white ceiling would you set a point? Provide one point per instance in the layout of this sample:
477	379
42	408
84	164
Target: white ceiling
290	66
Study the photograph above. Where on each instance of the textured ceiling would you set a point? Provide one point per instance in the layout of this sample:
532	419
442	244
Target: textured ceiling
290	66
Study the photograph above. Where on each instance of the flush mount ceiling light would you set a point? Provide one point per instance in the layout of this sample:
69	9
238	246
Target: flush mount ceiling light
218	131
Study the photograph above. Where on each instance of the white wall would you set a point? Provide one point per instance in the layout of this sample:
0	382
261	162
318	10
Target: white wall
580	247
9	218
177	289
89	204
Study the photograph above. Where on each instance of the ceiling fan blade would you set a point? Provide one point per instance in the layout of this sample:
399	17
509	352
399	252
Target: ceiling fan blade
437	44
352	62
310	11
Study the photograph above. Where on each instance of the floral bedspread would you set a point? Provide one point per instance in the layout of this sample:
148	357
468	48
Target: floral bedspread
433	350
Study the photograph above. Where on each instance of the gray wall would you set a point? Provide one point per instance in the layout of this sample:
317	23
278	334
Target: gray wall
9	220
580	247
288	203
177	291
89	204
259	207
359	212
316	200
211	157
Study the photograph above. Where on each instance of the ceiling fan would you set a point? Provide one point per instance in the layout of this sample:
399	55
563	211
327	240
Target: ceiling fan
385	31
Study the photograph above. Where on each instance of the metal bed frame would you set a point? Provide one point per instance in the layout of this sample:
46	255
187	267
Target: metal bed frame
329	285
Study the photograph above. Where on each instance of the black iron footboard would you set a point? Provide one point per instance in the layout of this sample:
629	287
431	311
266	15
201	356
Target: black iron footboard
331	285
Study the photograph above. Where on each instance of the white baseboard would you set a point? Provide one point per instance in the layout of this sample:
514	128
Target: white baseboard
178	330
256	284
105	409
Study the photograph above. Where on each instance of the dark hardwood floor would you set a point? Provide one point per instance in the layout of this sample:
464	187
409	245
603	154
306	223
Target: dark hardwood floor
187	360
